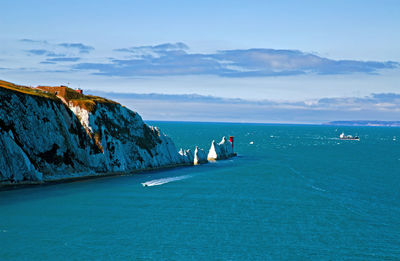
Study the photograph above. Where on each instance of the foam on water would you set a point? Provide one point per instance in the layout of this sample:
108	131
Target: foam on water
157	182
317	188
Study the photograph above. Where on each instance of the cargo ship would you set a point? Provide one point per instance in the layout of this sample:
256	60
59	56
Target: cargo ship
348	137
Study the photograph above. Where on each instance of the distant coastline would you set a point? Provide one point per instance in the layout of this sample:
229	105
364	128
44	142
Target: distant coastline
365	123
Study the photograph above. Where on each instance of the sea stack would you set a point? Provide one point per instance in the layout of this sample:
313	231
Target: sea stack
222	150
200	156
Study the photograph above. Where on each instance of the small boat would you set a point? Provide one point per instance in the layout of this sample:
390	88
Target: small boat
348	137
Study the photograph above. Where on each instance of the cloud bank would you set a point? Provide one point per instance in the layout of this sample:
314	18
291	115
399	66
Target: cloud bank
44	52
56	52
78	46
193	107
174	59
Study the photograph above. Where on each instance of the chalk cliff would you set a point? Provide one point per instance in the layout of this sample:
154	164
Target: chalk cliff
55	132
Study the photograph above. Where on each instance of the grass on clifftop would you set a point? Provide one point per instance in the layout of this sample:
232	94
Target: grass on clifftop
26	90
69	95
87	102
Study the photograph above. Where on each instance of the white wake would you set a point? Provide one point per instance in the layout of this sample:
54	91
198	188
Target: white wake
157	182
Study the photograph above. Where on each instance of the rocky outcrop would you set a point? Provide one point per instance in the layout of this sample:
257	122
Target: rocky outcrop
222	150
52	133
187	155
200	156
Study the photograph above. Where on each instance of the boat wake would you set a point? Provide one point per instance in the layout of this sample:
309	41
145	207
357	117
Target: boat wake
308	180
317	188
157	182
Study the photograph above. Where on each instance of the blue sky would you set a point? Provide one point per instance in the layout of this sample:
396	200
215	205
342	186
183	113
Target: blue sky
278	51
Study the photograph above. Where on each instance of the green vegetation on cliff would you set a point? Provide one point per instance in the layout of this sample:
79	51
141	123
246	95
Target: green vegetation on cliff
59	93
26	90
87	102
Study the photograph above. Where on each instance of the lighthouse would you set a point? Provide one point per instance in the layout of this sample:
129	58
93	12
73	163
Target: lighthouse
231	138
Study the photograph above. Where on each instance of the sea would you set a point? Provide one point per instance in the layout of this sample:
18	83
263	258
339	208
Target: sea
294	192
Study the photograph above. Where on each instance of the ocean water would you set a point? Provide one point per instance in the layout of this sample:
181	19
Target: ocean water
296	193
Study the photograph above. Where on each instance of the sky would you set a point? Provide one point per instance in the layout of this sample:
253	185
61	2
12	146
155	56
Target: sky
249	61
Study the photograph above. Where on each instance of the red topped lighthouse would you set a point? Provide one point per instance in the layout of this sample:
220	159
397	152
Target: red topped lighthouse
231	138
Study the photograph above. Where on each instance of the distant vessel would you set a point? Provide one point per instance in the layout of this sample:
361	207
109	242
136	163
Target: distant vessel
348	137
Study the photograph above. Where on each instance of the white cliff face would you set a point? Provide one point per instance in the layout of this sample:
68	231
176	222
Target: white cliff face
44	139
127	142
48	134
82	114
15	164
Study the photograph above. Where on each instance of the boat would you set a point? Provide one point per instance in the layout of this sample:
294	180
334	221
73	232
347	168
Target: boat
348	137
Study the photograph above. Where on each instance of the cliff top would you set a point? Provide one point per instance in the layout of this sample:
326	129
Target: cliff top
26	90
63	93
68	95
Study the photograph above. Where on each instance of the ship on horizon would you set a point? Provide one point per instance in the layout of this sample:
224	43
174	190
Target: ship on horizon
348	137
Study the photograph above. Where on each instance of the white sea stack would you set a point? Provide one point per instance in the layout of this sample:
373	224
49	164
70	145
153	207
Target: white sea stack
200	156
222	150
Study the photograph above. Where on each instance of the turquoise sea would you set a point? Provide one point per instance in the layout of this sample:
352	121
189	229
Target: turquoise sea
296	193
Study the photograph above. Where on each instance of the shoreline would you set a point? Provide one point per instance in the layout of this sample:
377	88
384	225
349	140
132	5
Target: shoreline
30	184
